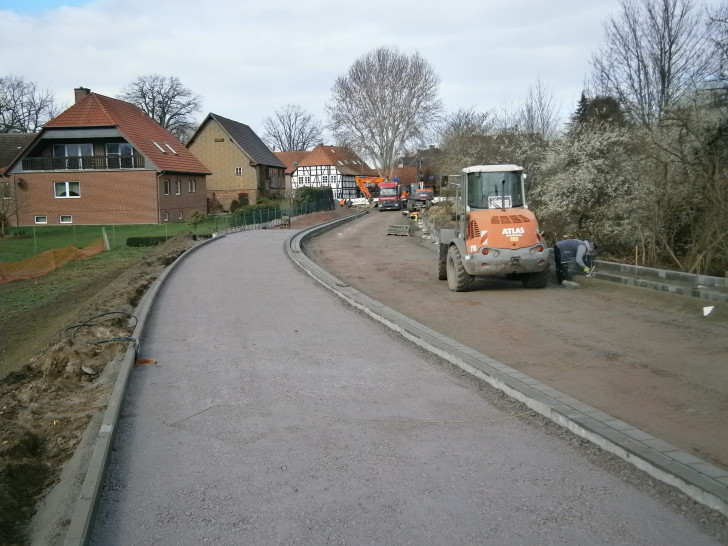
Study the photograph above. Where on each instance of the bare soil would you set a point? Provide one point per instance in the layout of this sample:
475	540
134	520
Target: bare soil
649	358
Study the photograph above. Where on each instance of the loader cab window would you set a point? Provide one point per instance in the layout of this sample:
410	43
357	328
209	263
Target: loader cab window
495	190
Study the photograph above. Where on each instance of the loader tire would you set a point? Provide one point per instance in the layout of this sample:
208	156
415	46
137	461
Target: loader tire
442	263
458	280
537	280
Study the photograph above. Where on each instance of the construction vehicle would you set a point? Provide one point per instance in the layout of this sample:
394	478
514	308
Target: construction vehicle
419	198
495	233
389	196
365	181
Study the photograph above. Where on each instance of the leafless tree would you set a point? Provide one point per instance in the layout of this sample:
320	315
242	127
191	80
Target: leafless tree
718	29
23	107
538	115
655	51
291	129
386	101
463	136
167	101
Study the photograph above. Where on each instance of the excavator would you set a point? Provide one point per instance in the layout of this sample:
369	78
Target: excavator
364	181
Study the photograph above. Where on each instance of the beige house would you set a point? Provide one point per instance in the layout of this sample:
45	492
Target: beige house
243	167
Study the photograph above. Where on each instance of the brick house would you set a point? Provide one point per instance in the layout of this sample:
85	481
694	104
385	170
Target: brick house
104	161
243	167
333	166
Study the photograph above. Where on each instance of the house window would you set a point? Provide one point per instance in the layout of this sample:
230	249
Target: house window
165	217
5	190
166	187
325	179
181	215
41	219
73	154
119	155
192	185
177	187
67	189
66	219
238	171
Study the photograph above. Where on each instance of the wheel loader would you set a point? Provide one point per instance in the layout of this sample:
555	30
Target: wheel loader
495	233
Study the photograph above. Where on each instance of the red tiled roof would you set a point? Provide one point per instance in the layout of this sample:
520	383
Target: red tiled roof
94	110
344	159
289	159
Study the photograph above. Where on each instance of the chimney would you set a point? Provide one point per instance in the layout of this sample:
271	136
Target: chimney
80	93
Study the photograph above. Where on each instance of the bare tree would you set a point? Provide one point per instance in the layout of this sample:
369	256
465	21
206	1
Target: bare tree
718	29
166	101
23	107
538	115
291	129
386	101
463	136
655	51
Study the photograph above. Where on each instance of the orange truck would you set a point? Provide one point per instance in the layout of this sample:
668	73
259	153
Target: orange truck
496	234
389	196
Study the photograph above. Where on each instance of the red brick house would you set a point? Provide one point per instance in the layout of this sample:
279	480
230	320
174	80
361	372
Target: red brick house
104	161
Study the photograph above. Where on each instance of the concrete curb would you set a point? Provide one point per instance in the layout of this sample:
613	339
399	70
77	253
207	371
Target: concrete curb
81	525
698	479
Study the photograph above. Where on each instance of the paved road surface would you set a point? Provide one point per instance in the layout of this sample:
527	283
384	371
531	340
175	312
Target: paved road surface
277	415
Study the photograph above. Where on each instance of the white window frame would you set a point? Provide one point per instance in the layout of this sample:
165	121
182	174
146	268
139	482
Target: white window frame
67	192
65	219
238	171
165	217
181	215
192	185
178	187
40	220
166	186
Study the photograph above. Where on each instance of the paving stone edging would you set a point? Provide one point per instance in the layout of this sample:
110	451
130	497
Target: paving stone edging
701	481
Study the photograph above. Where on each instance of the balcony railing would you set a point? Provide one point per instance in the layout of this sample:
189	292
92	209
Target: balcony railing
83	163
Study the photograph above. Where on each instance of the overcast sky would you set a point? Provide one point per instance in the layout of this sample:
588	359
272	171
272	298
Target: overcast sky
249	58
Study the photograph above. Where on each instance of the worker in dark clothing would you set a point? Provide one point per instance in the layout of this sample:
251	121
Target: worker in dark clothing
577	251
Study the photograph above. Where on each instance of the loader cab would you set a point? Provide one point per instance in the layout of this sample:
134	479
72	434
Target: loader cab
494	187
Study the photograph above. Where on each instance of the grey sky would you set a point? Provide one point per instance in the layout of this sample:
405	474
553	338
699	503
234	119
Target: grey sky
248	58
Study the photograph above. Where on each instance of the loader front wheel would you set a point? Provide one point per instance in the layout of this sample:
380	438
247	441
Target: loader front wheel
458	280
442	263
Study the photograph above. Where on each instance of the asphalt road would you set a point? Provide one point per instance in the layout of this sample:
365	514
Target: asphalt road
275	414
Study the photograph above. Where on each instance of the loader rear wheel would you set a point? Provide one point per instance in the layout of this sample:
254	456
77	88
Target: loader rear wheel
537	280
458	280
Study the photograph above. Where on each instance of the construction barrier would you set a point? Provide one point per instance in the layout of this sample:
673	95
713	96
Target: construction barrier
47	261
